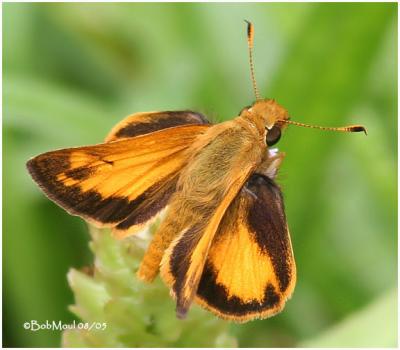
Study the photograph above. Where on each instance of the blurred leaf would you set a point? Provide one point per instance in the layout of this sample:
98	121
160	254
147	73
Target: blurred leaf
34	106
374	326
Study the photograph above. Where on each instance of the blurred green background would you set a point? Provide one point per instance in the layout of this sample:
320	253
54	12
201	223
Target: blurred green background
71	71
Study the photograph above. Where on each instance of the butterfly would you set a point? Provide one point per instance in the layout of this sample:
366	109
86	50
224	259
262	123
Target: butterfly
224	241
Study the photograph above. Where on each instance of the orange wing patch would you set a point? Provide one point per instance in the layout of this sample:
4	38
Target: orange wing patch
121	184
250	270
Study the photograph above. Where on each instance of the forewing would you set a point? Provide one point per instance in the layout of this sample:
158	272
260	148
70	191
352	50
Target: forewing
250	270
148	122
121	184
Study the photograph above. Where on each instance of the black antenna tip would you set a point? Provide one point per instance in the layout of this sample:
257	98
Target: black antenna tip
359	128
249	26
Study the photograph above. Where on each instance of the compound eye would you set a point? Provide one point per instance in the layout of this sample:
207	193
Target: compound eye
273	135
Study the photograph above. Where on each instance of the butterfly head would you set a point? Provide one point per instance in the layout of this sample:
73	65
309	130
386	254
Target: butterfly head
270	116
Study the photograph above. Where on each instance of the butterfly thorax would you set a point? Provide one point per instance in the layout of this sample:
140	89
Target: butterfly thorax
218	155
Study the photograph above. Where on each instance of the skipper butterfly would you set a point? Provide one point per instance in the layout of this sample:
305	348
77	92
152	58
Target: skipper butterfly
224	241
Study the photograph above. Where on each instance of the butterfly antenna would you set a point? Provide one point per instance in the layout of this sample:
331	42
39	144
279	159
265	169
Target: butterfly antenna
250	40
350	128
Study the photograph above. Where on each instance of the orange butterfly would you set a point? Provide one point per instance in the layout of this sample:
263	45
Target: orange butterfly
224	242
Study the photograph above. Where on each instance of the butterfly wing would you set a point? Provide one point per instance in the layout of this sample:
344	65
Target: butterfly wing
185	259
121	184
147	122
250	269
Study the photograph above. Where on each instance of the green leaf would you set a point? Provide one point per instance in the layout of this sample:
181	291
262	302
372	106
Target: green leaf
375	326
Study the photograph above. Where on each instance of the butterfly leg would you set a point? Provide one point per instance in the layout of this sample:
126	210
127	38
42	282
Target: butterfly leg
150	264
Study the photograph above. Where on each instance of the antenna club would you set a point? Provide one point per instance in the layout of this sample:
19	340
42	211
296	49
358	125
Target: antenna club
350	128
250	33
358	128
